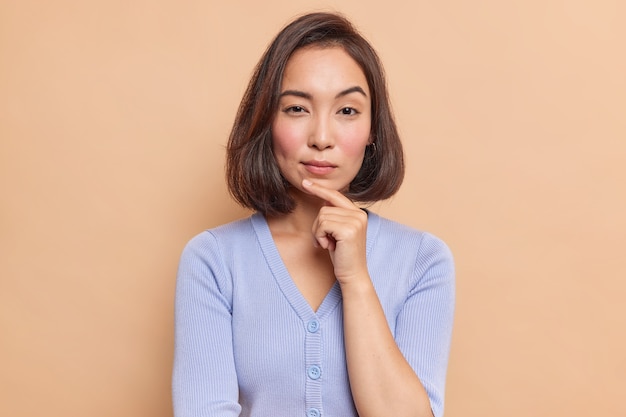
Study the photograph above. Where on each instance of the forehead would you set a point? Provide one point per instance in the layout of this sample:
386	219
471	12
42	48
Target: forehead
317	66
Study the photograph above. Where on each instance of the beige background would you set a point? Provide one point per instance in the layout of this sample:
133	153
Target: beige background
113	119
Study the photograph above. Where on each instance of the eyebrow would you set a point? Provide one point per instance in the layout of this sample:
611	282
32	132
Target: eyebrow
298	93
355	89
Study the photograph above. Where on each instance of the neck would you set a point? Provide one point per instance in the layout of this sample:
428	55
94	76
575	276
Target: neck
301	219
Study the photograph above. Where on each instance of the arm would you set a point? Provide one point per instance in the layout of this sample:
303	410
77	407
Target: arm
383	381
424	326
204	382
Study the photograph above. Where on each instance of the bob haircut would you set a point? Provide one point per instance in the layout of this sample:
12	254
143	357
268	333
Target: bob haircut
253	177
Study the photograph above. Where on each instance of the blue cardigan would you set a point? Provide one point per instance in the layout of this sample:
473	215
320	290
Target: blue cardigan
247	343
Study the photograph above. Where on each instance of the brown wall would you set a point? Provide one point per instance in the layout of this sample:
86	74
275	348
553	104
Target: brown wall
113	118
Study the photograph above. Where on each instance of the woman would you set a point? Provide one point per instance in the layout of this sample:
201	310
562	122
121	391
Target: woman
313	306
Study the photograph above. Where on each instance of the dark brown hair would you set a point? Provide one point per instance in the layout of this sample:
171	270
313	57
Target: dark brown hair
253	176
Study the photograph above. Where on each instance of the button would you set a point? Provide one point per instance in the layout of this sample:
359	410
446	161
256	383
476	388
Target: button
314	372
313	412
313	326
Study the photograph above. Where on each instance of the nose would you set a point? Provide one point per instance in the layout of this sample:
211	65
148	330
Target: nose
321	135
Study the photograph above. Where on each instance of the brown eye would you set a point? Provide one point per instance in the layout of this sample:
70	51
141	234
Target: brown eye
295	109
348	111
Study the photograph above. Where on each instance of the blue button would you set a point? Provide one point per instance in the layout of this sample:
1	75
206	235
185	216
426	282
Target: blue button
314	372
313	412
313	326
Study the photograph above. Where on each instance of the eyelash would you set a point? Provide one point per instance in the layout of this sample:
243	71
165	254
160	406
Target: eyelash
351	111
295	109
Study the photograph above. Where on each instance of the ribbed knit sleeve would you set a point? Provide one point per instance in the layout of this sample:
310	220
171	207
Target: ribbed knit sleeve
204	381
247	343
424	324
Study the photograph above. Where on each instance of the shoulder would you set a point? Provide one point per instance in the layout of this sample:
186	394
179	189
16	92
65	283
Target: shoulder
211	255
404	236
215	244
425	251
229	232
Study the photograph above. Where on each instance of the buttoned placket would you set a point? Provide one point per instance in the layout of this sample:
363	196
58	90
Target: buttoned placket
314	367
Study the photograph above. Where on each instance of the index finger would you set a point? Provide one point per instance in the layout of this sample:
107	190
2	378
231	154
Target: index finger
335	198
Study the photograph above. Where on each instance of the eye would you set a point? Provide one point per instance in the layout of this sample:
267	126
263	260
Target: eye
295	109
348	111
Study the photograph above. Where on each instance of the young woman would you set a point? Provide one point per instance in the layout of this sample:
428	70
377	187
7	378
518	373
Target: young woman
313	306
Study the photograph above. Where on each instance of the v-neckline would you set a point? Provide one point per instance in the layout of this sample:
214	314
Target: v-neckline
283	279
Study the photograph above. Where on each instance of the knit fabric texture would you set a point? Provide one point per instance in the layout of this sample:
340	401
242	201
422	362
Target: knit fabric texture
248	344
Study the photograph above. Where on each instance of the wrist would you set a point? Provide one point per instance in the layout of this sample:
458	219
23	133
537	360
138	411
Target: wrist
357	284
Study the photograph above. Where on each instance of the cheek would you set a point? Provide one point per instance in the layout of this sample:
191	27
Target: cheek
355	141
286	141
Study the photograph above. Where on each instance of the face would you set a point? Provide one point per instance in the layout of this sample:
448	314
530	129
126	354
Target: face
322	125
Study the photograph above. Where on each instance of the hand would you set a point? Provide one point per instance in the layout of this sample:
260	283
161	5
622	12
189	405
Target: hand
340	228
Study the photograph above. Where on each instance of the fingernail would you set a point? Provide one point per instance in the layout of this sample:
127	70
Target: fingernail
307	183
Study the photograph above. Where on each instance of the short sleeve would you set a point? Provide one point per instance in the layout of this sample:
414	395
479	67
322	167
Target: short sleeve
204	381
424	324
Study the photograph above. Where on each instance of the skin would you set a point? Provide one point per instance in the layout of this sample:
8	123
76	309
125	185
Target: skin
323	121
320	133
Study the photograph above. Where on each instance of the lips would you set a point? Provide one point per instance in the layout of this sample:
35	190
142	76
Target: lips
319	167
